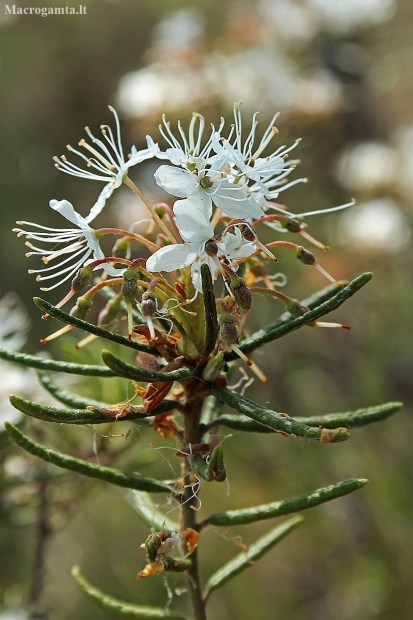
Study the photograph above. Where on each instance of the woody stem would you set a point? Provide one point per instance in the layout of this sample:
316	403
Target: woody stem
189	505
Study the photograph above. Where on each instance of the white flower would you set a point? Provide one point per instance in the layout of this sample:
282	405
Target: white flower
267	173
200	245
188	152
109	165
206	186
78	243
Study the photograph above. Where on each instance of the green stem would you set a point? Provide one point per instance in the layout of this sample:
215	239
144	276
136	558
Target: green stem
192	413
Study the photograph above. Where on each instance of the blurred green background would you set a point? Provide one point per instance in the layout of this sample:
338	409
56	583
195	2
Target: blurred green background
340	73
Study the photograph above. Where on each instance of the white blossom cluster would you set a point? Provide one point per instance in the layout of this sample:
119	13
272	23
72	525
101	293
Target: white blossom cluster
228	178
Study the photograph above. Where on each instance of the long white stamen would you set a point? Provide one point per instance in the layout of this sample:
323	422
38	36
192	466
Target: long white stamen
54	267
75	267
96	154
69	249
265	143
339	208
117	128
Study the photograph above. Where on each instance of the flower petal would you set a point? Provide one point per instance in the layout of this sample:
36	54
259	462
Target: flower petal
65	208
137	156
173	257
176	181
192	223
106	193
233	201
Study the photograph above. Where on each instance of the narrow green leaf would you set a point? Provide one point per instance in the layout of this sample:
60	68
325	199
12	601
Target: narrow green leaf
140	374
90	328
284	507
270	333
67	398
275	420
349	419
148	513
45	364
212	409
254	553
117	607
353	419
82	416
210	311
113	476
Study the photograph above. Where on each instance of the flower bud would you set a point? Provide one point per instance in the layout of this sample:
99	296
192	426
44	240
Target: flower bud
81	279
129	288
292	225
148	304
206	182
306	257
159	210
110	311
82	307
121	248
228	330
242	296
247	232
211	247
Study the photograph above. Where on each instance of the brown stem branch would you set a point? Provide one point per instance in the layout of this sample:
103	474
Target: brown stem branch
37	610
189	505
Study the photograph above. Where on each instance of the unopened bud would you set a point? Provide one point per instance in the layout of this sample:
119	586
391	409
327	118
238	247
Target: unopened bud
130	288
292	225
81	279
206	182
110	311
82	307
241	292
228	330
243	296
148	304
160	211
306	257
247	232
121	248
211	247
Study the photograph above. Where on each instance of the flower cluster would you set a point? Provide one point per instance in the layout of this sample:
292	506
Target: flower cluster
225	185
